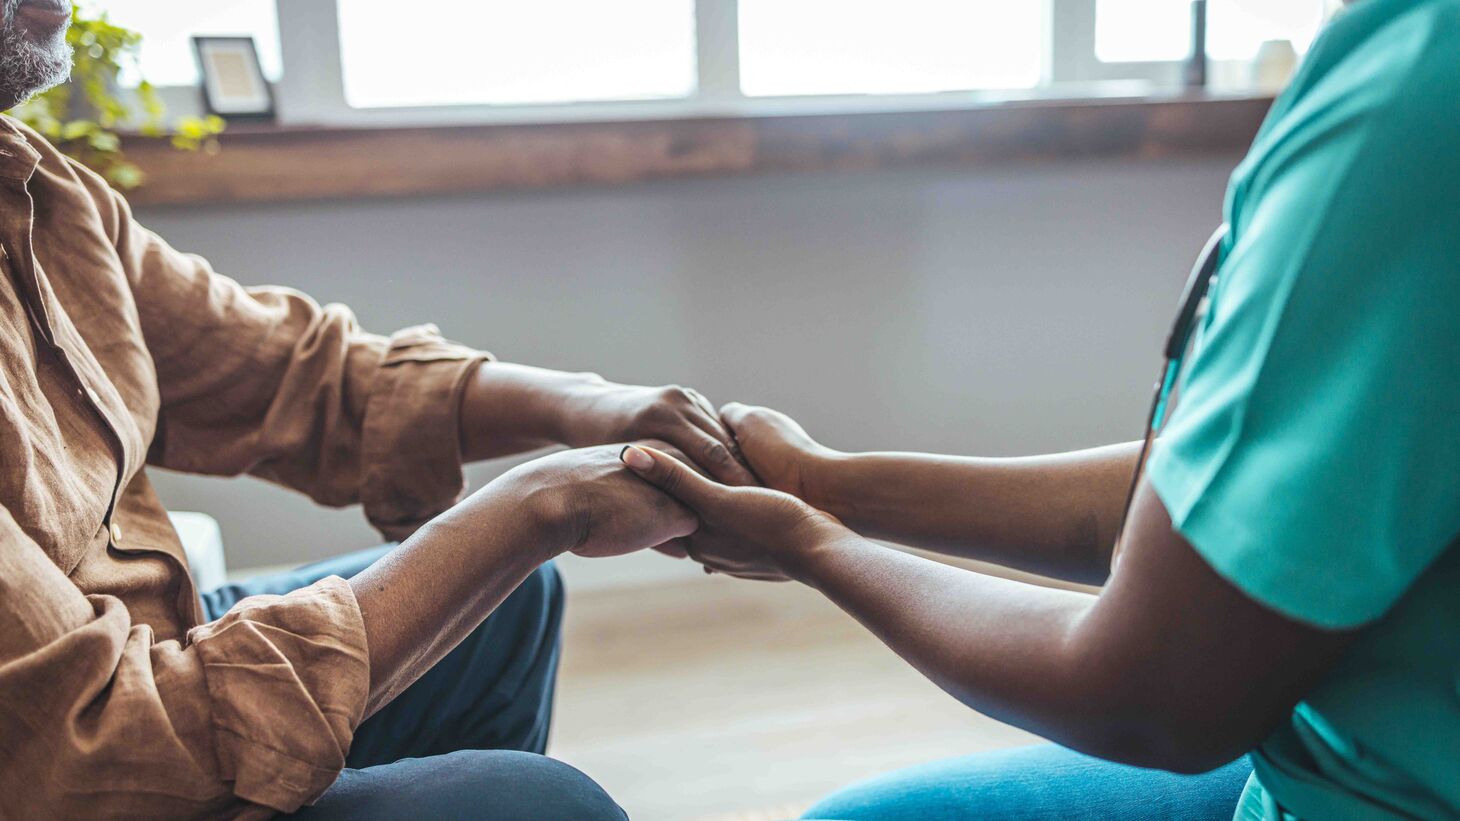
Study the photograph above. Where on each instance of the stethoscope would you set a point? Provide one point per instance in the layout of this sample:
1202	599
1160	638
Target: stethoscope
1193	295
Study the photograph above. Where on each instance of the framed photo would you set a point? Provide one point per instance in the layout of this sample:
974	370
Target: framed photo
233	81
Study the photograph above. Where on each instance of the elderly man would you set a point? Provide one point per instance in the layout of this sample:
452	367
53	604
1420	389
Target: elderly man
417	670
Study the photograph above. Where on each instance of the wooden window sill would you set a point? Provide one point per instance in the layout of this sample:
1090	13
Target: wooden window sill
270	164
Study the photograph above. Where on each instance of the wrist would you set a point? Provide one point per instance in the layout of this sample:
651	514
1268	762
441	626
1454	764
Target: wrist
498	524
824	474
568	402
821	539
549	520
508	408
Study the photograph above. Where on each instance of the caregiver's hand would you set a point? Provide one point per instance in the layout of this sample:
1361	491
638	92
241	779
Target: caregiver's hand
1055	515
780	452
749	532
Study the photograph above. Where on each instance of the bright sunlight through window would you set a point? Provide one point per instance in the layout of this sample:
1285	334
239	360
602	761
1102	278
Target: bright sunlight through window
1151	30
506	52
167	28
796	47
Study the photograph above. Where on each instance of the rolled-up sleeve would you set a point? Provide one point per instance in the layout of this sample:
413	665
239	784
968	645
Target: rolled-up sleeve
252	714
410	442
268	382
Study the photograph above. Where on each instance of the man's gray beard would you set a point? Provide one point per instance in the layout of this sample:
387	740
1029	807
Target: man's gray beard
27	67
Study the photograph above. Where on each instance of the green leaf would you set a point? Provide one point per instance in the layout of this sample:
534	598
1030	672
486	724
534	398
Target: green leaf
102	49
105	141
125	175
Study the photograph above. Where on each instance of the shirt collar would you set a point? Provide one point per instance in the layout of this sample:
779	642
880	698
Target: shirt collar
18	158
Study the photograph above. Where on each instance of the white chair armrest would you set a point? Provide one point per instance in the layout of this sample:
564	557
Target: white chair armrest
202	541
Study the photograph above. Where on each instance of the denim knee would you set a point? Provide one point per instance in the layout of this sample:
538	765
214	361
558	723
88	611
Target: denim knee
516	786
493	785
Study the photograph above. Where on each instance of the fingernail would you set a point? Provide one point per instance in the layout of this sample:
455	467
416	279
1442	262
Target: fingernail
635	458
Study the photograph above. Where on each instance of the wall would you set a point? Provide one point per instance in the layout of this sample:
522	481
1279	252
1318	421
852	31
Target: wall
990	311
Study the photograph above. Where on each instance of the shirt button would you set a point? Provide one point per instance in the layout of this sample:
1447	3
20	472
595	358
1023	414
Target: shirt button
116	533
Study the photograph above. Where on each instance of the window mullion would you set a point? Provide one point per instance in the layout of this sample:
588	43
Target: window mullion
1072	41
1073	51
717	51
313	88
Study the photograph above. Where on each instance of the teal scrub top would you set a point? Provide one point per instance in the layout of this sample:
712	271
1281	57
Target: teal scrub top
1313	458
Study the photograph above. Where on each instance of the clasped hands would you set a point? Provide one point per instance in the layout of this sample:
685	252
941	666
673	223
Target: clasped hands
728	489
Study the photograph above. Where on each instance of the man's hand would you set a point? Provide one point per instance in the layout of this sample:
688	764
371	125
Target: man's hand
510	408
608	412
422	598
590	505
748	532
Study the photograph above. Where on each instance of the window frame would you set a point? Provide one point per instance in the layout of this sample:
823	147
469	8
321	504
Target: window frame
311	89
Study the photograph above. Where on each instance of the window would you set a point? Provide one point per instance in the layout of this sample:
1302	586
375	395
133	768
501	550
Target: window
502	52
364	62
167	28
1160	30
808	47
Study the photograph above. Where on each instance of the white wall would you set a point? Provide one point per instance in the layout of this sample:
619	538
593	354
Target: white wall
991	311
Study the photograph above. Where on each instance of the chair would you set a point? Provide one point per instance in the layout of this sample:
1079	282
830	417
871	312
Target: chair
202	541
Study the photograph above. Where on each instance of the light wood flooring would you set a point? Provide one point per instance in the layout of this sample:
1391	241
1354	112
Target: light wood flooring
718	699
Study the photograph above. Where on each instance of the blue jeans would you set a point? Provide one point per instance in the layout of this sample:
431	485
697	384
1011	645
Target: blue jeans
1040	783
465	740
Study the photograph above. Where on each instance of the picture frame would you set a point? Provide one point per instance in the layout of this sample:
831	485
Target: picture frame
233	83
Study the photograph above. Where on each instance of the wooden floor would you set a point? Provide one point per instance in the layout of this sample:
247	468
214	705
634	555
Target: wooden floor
719	699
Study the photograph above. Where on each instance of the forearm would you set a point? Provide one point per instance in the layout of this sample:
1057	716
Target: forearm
508	409
1014	651
1170	666
423	598
1055	515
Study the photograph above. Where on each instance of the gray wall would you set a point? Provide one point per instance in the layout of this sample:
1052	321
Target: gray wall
992	311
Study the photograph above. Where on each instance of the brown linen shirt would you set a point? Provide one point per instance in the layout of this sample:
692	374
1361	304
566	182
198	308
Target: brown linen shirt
115	700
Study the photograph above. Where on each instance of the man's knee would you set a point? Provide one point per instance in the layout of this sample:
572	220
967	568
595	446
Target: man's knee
517	786
500	785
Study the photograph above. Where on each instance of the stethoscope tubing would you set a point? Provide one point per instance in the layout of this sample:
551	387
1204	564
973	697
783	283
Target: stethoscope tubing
1198	282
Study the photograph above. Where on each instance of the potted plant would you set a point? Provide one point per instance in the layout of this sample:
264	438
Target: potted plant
84	117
